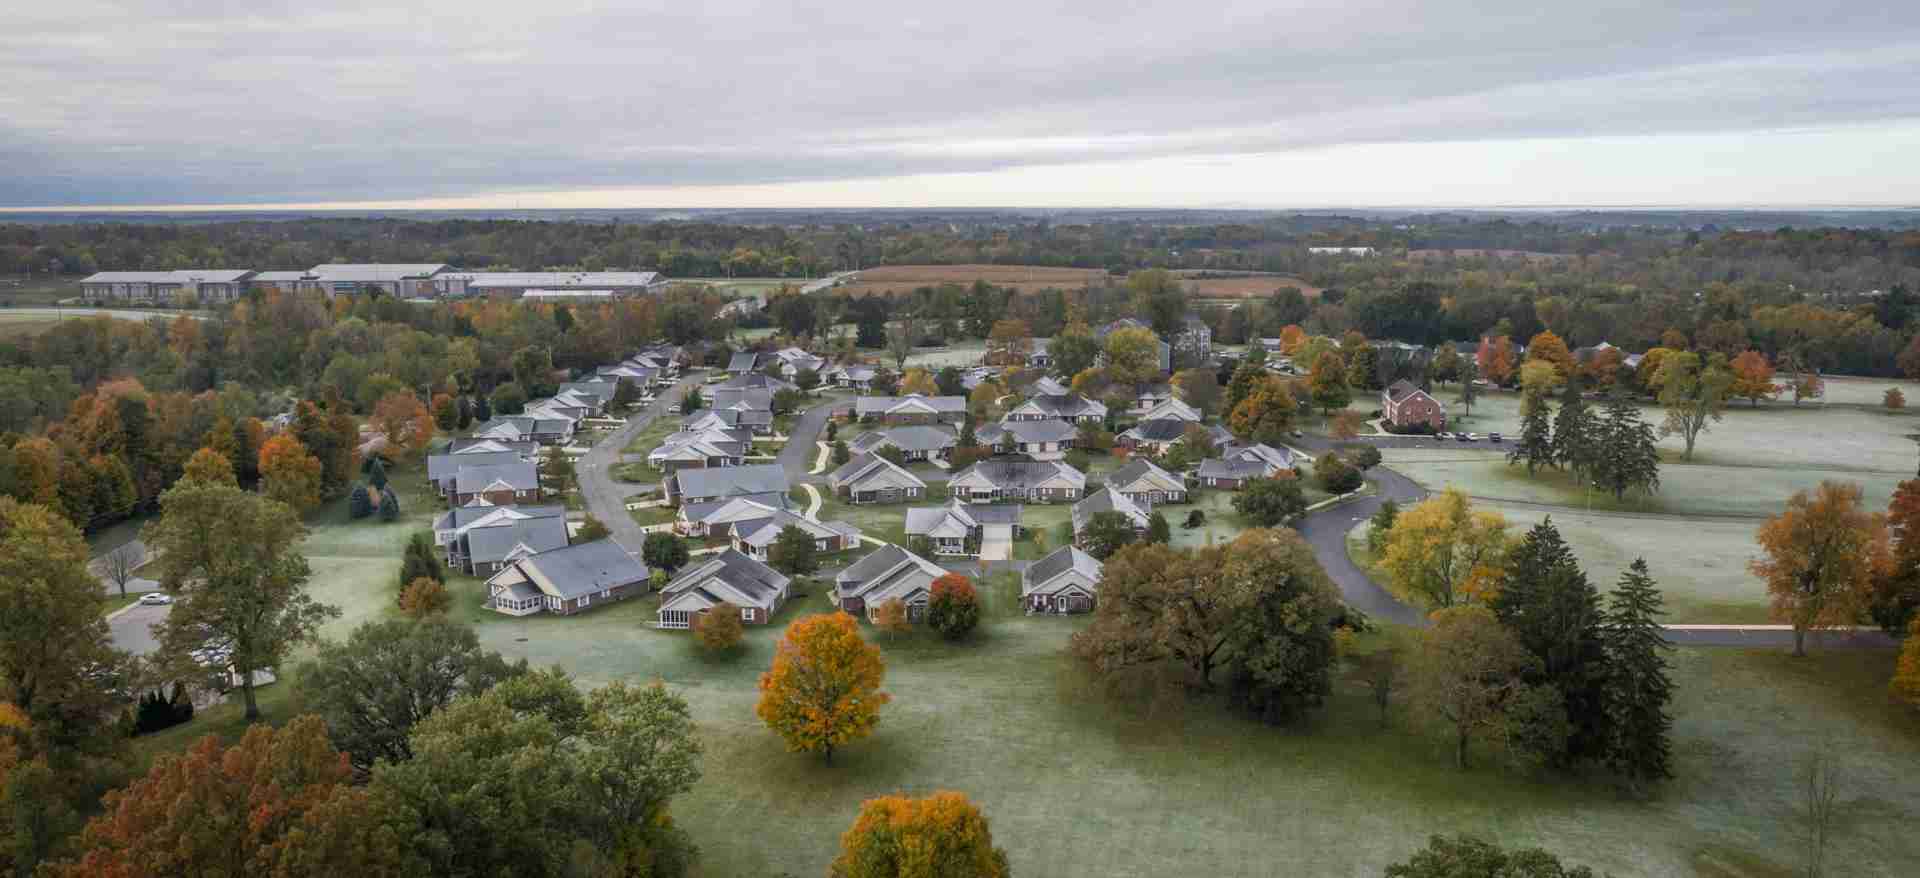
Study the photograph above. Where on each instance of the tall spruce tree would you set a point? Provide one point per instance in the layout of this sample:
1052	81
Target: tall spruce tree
1573	431
1535	447
1625	457
1550	606
1637	687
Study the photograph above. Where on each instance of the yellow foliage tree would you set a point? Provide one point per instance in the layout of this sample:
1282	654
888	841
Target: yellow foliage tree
208	465
919	381
1820	556
719	628
1133	356
1446	552
1291	337
1549	348
824	687
941	836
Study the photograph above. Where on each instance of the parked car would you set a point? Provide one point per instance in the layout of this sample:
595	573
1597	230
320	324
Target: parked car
1443	436
1465	437
156	599
1495	437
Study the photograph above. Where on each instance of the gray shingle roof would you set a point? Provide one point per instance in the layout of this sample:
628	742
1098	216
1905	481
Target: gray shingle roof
1022	474
1138	468
441	467
493	543
1104	500
748	576
584	569
911	403
1215	468
1049	430
920	438
520	475
373	272
1158	430
726	481
859	466
1057	562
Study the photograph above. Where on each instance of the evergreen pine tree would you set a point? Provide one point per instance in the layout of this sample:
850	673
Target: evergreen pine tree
377	474
1469	372
1637	687
390	509
1536	438
482	409
967	437
1573	429
1555	612
1626	458
359	502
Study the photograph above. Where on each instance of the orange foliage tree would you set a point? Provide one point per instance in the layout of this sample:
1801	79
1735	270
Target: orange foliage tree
941	836
953	606
1291	338
1495	359
288	473
1545	347
425	596
214	810
1752	377
1821	554
1905	684
824	687
208	465
404	420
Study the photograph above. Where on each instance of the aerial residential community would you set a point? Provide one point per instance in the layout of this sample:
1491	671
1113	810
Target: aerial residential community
1411	440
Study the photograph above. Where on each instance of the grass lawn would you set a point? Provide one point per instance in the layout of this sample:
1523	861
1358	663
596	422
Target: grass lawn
1077	785
650	438
963	353
116	601
1684	489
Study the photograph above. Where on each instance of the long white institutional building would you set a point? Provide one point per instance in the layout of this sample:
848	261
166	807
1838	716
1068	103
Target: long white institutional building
427	280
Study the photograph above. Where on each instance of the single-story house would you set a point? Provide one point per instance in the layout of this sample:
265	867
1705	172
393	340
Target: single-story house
1047	385
1067	580
716	517
1147	397
871	478
1172	410
1147	485
443	468
856	376
915	442
1404	405
501	484
717	483
743	362
1037	357
567	580
794	360
704	448
1240	463
959	528
729	577
1156	435
889	573
1018	480
1104	500
1070	407
912	409
480	540
521	428
755	381
754	536
1040	440
466	445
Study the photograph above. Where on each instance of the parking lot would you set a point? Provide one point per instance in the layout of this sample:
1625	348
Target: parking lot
132	628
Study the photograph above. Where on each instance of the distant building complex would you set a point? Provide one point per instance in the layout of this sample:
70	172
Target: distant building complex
422	280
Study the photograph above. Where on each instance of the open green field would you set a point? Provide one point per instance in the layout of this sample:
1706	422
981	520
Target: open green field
1685	490
964	353
1774	436
1866	391
36	289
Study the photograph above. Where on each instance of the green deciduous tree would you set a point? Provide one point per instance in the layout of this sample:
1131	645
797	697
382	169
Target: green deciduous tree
1469	667
793	552
1270	502
664	551
1694	393
1467	857
1106	533
387	676
229	556
57	663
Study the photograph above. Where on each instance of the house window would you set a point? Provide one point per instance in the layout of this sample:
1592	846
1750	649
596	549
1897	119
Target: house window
746	614
585	599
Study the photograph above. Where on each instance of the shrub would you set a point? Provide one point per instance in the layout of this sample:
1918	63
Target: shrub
1079	460
1336	476
359	502
1366	458
1894	399
424	597
1196	518
719	629
159	711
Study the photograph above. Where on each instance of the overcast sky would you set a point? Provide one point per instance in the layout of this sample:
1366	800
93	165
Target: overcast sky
1276	103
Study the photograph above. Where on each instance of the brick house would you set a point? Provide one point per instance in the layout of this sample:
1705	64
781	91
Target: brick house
1404	405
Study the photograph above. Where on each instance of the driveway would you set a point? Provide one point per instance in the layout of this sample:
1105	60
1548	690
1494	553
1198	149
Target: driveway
606	497
800	452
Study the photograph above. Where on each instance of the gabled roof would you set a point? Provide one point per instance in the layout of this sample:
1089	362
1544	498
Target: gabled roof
1047	386
931	520
742	362
520	475
883	567
750	578
1401	389
1020	474
574	571
763	531
460	517
754	381
919	438
1049	430
725	481
759	399
912	403
1216	468
1071	405
1173	409
497	537
1279	458
866	465
441	467
1142	469
365	272
1057	562
871	440
1105	500
720	509
1159	430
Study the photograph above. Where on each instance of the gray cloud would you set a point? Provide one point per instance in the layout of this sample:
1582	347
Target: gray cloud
181	102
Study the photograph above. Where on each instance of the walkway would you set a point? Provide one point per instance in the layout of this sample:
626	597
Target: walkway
606	497
795	457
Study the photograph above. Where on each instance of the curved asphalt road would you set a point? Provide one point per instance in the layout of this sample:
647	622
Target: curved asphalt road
606	498
1326	531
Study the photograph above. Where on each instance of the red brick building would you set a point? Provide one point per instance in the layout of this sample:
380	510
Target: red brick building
1404	405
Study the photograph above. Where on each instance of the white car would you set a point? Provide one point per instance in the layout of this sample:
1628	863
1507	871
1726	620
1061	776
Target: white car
156	599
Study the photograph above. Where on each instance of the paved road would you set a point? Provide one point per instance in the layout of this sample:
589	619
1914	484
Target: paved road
606	497
800	451
1326	531
116	313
